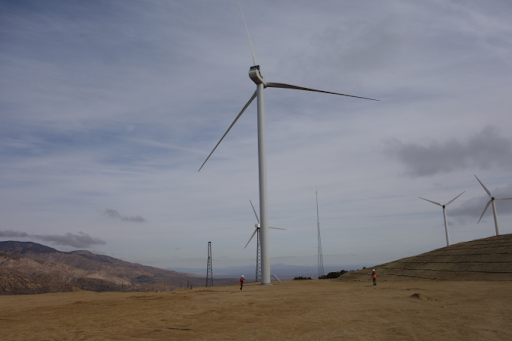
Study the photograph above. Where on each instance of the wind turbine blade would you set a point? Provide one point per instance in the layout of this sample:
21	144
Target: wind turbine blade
227	131
255	230
256	214
431	201
254	60
288	86
276	228
483	186
502	198
485	209
449	202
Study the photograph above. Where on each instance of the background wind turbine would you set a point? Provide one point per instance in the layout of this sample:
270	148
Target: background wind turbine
493	207
258	247
321	271
444	215
261	84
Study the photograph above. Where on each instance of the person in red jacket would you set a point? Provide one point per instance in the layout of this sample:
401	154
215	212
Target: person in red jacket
241	281
374	277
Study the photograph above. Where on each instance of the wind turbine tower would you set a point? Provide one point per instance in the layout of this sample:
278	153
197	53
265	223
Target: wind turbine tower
261	84
320	255
444	214
258	245
496	224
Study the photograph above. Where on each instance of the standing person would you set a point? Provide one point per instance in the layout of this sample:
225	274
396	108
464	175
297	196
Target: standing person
241	281
374	277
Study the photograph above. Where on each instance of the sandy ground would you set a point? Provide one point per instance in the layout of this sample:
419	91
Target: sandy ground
293	310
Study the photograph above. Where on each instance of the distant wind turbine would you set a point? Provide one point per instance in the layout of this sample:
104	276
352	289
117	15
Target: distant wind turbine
444	214
321	271
261	84
258	246
493	207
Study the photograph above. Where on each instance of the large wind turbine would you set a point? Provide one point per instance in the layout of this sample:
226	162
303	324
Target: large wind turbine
444	214
261	84
493	207
258	245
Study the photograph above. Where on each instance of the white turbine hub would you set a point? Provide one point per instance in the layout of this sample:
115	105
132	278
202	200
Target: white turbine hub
256	76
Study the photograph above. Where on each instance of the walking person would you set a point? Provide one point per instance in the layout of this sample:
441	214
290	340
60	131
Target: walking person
374	277
241	281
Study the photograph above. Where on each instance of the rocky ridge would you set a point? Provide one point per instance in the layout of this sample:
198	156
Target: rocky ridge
28	268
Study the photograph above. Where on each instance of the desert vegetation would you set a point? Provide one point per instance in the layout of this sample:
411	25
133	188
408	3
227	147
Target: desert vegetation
333	274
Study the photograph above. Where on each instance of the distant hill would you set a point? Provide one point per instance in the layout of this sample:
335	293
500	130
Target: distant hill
29	268
488	259
283	271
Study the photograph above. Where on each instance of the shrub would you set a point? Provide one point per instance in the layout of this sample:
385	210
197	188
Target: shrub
334	274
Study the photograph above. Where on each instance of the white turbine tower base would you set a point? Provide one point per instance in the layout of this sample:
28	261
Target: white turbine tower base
496	224
261	84
444	215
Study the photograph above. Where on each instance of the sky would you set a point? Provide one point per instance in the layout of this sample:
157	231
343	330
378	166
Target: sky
109	108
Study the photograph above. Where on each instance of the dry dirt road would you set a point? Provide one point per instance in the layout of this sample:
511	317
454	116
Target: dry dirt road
293	310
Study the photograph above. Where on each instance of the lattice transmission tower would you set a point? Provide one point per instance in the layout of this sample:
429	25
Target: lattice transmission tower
320	255
209	271
258	256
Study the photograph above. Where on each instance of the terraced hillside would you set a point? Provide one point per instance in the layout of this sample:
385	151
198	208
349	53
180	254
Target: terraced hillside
488	259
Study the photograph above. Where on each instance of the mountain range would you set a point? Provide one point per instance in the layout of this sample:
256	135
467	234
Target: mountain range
282	271
31	268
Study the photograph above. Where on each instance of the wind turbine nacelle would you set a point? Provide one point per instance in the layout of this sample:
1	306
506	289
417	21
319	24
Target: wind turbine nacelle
257	226
255	75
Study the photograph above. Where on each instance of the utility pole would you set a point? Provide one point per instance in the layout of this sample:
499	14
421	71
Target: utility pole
209	271
320	255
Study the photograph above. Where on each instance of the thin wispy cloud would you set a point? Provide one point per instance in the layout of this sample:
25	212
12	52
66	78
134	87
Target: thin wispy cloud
116	215
80	240
13	234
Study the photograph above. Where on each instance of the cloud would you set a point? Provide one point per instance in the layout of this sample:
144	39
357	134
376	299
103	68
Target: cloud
13	234
136	219
80	240
474	207
76	240
111	213
102	105
484	150
115	214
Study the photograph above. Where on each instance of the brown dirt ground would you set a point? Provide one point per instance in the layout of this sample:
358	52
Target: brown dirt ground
293	310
